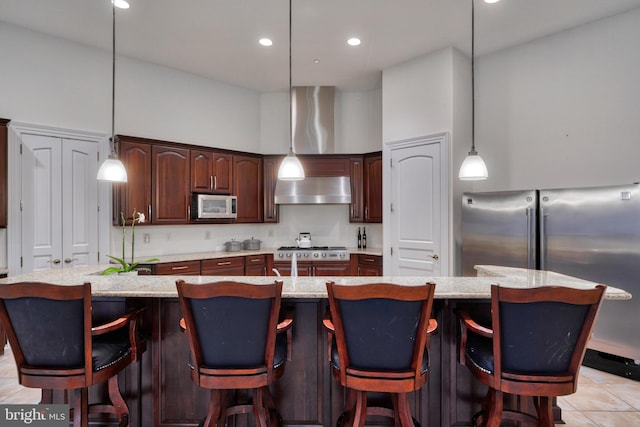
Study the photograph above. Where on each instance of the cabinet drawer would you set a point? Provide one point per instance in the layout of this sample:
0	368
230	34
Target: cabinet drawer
182	268
216	263
255	260
369	260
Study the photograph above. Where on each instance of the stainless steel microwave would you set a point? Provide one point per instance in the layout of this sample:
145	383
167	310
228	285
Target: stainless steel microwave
211	206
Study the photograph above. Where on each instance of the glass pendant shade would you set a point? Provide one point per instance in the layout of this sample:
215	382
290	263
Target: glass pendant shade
291	169
112	170
473	168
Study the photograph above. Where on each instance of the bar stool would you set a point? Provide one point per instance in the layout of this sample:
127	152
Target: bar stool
535	348
236	342
379	337
56	348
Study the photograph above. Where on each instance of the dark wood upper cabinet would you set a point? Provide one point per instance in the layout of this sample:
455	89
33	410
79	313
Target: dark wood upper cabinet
211	172
356	209
136	193
271	164
372	187
248	187
3	172
171	198
325	165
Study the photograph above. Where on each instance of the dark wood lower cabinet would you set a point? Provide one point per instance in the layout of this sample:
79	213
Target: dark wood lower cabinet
307	394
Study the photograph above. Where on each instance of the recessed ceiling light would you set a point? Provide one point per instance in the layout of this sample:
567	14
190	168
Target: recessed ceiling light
491	1
265	42
316	61
121	4
354	41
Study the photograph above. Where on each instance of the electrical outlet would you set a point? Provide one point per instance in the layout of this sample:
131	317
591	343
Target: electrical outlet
147	237
207	235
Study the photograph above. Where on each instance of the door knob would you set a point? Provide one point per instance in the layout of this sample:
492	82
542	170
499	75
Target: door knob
68	260
56	261
435	257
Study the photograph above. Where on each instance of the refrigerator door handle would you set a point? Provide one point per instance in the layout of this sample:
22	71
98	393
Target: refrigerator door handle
531	243
543	240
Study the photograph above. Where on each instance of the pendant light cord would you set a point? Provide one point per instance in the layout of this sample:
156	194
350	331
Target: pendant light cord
290	87
113	82
473	88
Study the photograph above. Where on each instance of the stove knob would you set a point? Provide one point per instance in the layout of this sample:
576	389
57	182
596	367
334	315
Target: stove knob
341	254
306	254
299	254
315	255
280	255
288	255
324	254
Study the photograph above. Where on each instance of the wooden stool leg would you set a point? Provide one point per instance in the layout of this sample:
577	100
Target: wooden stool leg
360	412
495	411
215	409
545	412
47	396
403	410
119	405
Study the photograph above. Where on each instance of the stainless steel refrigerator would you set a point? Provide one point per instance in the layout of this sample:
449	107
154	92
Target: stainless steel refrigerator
591	233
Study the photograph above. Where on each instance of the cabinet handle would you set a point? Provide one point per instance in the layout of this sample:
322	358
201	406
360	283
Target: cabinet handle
215	182
55	261
366	212
70	260
211	182
368	259
149	211
224	263
256	260
182	267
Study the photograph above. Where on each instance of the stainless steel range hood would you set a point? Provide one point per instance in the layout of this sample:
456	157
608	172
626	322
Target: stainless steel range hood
312	118
314	190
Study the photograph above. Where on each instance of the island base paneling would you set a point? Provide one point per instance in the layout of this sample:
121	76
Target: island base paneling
307	394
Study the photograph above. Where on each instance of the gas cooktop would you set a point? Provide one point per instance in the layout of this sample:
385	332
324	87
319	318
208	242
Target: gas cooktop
313	253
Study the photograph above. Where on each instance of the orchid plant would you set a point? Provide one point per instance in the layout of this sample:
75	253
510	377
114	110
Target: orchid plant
125	266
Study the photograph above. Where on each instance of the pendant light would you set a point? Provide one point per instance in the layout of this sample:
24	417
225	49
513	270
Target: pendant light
112	169
473	167
290	169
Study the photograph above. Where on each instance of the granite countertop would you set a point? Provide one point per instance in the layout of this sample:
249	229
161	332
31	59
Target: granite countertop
312	287
224	254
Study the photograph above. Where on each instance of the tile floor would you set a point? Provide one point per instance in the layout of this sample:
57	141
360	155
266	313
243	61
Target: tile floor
602	400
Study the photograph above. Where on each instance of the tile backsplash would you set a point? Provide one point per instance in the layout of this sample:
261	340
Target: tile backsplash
328	225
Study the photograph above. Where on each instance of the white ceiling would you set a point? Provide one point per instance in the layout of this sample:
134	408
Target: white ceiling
217	39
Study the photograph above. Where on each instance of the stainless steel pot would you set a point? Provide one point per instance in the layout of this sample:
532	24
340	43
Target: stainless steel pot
232	246
252	244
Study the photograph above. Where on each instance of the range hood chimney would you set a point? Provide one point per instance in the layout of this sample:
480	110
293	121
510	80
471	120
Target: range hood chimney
312	119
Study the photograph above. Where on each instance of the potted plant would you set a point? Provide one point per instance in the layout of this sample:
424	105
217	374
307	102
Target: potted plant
128	267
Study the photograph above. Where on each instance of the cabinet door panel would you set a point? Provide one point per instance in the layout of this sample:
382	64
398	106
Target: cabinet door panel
356	209
373	188
270	166
247	183
135	194
223	173
170	185
202	171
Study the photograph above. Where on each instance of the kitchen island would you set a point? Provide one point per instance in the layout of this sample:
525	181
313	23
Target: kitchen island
306	395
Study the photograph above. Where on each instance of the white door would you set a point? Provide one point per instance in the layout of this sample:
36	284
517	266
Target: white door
416	215
59	202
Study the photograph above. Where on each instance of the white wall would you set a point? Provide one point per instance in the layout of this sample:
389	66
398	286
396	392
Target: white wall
54	82
563	110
